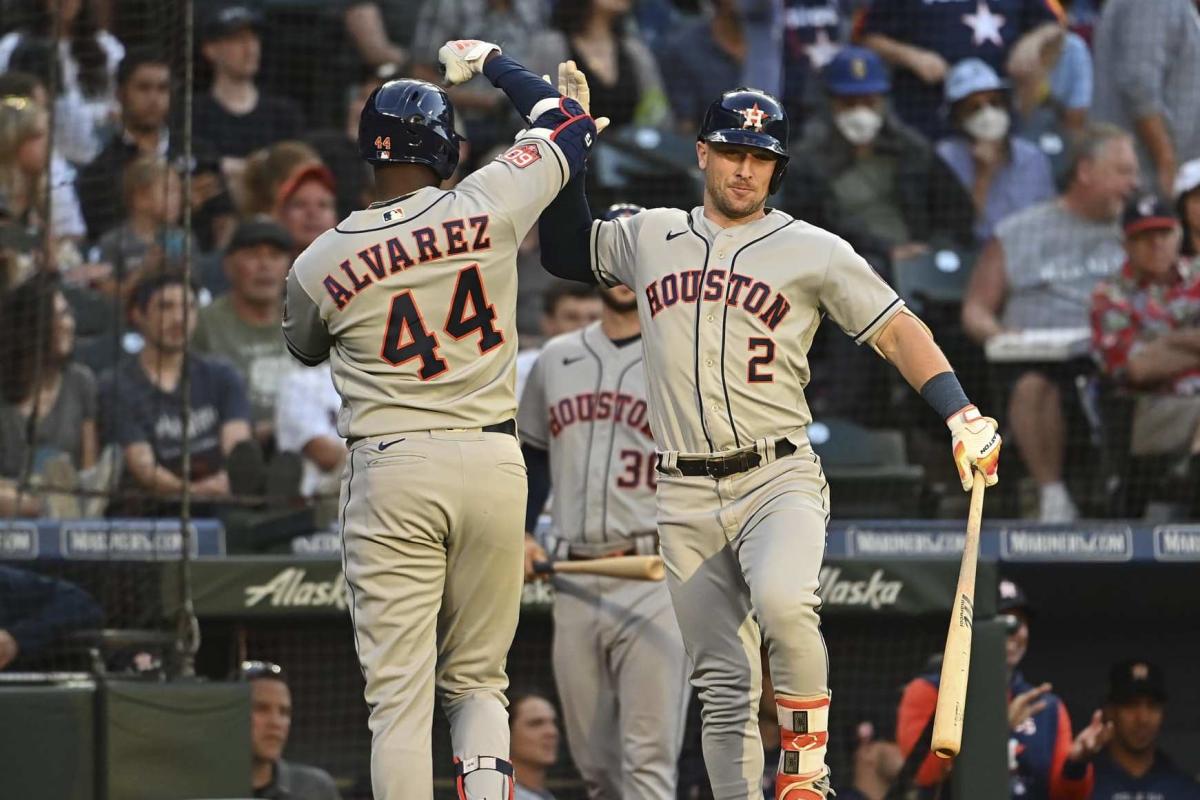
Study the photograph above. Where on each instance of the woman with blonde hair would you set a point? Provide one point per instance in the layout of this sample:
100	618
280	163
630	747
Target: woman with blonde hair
24	174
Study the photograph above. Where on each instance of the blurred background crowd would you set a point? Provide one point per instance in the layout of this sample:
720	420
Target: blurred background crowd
1024	171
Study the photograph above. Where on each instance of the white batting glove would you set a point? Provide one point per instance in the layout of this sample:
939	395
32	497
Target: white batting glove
976	446
462	59
572	83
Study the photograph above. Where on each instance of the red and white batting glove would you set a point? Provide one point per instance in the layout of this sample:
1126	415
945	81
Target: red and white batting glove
462	59
976	446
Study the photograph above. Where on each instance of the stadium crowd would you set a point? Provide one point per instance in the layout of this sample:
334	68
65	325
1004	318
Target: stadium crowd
1026	172
993	165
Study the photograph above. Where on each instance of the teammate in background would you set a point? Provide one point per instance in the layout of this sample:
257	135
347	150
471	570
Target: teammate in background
270	722
619	661
1132	766
729	296
413	300
1045	763
566	307
533	726
877	762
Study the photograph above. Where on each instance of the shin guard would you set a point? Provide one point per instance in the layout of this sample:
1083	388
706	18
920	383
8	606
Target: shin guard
505	783
804	736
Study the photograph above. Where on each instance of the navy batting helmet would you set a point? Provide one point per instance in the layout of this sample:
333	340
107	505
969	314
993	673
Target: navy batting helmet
621	210
751	118
411	122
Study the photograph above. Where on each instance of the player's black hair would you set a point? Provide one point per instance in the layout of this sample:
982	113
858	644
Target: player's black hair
138	57
560	290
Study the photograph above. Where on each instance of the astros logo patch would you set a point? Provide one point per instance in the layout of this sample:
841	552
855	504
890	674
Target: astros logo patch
522	155
754	117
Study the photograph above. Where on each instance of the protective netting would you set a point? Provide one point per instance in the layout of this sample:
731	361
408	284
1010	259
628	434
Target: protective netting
966	149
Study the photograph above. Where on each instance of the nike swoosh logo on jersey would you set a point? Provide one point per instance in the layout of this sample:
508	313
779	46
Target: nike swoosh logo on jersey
671	235
569	361
385	445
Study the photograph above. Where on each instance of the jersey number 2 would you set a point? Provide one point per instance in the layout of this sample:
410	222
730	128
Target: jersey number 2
407	336
758	361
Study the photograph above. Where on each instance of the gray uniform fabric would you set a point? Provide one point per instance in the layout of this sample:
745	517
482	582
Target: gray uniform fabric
1052	261
414	302
727	317
619	660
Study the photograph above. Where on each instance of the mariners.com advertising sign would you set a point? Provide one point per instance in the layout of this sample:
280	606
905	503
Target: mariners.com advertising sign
298	587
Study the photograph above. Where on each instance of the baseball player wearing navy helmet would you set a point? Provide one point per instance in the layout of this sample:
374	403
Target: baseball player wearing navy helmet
729	297
413	301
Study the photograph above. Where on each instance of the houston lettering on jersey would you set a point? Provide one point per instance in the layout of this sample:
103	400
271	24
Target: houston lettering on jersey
599	406
737	291
431	243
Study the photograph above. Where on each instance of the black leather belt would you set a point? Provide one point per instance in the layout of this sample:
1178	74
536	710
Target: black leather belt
575	555
724	466
509	426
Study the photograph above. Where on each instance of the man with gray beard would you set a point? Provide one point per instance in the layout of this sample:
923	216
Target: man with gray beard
1037	273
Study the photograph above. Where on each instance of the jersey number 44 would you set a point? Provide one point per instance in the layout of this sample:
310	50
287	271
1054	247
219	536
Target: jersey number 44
408	337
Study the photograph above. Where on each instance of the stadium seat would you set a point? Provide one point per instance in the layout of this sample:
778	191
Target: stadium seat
868	470
937	276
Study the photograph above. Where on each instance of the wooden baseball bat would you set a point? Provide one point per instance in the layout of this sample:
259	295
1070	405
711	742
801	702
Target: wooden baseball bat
636	568
956	659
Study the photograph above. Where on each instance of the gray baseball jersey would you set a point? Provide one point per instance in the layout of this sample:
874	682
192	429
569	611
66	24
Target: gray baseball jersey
418	296
619	660
414	301
728	315
585	404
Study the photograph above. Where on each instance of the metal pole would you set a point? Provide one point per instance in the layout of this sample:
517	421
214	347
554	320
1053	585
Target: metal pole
187	626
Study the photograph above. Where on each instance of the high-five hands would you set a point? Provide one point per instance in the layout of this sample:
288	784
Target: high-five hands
462	59
573	83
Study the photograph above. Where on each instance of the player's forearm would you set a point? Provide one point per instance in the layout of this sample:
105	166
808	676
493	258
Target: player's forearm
537	465
523	88
909	347
564	232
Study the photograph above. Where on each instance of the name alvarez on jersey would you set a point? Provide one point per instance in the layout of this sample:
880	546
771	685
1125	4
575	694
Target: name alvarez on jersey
431	243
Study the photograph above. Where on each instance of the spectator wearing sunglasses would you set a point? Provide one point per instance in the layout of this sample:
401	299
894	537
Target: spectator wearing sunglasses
1045	761
270	722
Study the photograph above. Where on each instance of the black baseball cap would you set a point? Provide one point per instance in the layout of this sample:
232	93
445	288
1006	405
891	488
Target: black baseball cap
1010	597
1147	213
256	231
229	19
1129	680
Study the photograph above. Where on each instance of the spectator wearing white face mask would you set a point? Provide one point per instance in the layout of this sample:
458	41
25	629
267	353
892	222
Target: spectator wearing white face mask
869	178
1003	173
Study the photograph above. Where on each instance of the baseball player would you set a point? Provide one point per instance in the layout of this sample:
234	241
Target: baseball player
413	301
618	657
729	296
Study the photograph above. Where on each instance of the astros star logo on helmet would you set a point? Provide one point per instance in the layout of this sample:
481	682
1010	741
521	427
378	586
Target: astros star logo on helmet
754	117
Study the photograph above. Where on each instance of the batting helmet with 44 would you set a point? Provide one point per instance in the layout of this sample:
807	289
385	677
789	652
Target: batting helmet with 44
751	118
411	122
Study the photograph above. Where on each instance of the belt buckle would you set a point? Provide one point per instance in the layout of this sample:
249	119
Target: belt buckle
712	465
